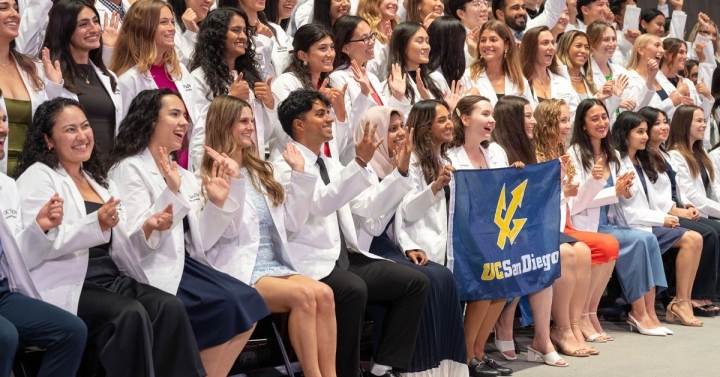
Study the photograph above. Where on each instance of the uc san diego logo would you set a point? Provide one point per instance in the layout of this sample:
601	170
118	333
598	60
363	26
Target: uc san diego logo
504	223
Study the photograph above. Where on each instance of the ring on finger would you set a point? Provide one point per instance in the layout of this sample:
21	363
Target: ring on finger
113	217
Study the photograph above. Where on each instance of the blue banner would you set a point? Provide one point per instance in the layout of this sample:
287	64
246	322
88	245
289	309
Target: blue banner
504	230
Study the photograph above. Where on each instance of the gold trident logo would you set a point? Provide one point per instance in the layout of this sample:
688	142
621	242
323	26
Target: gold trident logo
504	223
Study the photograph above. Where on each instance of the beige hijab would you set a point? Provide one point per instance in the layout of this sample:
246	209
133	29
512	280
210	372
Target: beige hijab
381	162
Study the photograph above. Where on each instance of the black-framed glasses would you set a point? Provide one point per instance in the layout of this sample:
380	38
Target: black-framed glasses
366	40
481	3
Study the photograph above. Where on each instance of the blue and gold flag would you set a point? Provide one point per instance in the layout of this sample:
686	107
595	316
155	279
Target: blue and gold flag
503	236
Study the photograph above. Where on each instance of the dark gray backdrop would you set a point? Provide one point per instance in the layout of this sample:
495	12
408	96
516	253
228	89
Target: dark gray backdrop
692	8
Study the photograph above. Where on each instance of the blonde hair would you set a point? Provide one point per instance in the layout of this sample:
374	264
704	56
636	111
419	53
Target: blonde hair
563	53
696	29
545	134
222	115
510	64
635	57
136	40
370	11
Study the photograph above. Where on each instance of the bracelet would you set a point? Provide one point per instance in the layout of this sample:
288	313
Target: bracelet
403	173
364	163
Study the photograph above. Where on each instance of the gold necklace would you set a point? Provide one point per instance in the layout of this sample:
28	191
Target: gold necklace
86	77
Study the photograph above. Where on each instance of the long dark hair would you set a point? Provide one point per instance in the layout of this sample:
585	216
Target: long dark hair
179	7
260	15
528	54
321	13
421	118
625	123
63	23
305	37
447	43
137	128
647	15
343	31
209	54
582	139
272	13
509	131
401	36
35	149
651	116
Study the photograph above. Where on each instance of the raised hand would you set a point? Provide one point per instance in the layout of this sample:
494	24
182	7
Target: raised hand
703	90
294	158
404	151
676	4
570	188
169	172
263	92
619	84
223	159
651	70
396	82
452	97
429	19
261	29
52	69
424	94
107	214
189	19
443	179
217	184
471	40
337	100
51	214
361	77
240	88
598	170
111	24
631	35
385	27
683	88
365	149
160	221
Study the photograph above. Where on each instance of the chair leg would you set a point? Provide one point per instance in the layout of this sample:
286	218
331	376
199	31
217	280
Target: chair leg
279	340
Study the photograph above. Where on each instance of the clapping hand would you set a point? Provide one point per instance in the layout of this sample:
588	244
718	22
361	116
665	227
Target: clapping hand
361	77
51	214
619	84
623	185
224	159
217	184
169	172
160	221
108	215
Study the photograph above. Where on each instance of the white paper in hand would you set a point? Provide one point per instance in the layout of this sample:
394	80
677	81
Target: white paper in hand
632	18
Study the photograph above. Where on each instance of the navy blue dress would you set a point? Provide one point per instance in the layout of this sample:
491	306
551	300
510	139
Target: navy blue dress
219	306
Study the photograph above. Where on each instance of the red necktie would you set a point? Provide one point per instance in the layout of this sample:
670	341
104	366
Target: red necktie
326	149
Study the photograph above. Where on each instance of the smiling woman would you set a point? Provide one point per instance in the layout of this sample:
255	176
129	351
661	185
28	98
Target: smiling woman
76	43
188	15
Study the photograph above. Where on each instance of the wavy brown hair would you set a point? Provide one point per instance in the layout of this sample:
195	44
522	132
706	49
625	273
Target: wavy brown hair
545	134
509	131
528	53
421	118
672	47
511	62
679	140
136	40
224	112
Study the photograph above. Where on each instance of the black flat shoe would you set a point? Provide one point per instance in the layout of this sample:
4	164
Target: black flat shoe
703	311
389	374
480	369
504	371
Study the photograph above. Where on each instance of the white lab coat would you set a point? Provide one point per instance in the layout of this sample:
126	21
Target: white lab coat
265	120
315	248
640	211
102	9
560	88
549	17
663	190
613	103
54	90
637	90
146	193
301	15
16	238
379	65
405	105
282	45
131	83
59	271
184	44
236	251
667	104
483	85
585	207
33	22
692	189
282	86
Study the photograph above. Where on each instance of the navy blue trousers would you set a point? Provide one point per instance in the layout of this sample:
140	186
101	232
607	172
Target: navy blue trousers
61	334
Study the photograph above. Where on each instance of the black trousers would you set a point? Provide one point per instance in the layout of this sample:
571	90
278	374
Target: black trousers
706	285
138	330
43	325
400	287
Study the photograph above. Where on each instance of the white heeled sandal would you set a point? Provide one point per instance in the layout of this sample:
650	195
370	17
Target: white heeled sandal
642	330
504	346
551	358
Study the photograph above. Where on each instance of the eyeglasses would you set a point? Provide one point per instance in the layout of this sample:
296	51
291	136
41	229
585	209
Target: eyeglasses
481	4
366	40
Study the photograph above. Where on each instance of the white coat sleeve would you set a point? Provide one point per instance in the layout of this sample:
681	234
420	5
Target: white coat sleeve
686	187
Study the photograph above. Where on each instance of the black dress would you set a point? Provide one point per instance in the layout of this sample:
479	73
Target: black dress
135	330
220	307
98	107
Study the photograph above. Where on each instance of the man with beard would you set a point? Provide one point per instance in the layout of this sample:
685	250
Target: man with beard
513	13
